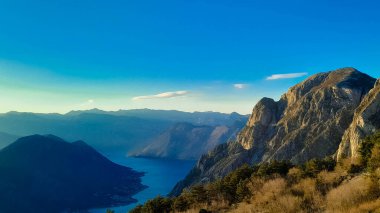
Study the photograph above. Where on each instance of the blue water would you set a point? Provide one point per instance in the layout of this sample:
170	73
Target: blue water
161	175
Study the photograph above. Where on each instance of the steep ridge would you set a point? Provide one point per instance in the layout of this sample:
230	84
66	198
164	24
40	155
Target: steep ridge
187	141
307	122
366	122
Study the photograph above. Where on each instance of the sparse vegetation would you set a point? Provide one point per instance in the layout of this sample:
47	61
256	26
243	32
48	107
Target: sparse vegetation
320	185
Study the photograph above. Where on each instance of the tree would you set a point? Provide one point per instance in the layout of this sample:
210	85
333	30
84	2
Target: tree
315	166
274	167
366	148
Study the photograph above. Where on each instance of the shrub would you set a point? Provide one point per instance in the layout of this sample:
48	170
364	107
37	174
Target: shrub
156	205
314	166
349	194
242	191
365	149
295	174
181	203
274	167
355	168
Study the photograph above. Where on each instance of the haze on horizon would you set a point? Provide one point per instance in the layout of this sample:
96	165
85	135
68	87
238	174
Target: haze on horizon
58	56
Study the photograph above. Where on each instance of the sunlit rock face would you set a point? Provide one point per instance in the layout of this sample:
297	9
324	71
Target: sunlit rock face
307	122
366	121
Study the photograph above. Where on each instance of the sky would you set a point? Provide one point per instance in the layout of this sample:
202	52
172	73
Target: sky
198	55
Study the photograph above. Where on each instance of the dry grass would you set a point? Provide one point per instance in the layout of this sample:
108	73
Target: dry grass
372	206
349	194
331	192
272	197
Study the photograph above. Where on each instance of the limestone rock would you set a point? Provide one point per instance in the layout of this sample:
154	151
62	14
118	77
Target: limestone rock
366	121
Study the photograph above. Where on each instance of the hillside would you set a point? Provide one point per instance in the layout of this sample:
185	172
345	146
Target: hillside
187	141
316	186
50	175
6	139
309	121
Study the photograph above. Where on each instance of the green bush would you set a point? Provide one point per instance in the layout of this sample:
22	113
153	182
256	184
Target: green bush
274	167
156	205
315	166
368	151
181	203
354	168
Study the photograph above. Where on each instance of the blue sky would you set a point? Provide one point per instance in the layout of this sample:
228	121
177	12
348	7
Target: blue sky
56	56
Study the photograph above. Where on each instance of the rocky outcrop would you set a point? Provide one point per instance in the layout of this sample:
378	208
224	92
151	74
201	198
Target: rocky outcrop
316	114
307	122
366	121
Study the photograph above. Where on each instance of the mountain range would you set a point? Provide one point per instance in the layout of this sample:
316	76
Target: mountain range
326	115
120	131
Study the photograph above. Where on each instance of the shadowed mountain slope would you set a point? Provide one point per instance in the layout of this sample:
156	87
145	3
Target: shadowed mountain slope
46	174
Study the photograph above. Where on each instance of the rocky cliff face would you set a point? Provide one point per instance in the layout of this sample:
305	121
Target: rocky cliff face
307	122
365	122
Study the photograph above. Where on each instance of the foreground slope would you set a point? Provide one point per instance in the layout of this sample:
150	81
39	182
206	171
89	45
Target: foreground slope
319	185
46	174
307	122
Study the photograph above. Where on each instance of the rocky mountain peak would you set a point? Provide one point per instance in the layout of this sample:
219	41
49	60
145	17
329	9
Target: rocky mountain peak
331	97
307	122
345	78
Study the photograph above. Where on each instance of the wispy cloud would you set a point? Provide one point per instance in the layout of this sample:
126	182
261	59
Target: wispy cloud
240	86
162	95
287	75
88	102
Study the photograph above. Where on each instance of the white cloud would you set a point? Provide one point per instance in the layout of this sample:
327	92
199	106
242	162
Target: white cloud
240	86
88	102
287	75
161	95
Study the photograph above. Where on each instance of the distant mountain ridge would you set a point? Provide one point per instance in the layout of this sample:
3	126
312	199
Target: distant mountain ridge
47	174
309	121
104	132
198	118
119	131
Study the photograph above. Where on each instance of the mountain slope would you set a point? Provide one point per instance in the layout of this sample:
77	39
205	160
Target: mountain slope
307	122
50	175
188	141
6	139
